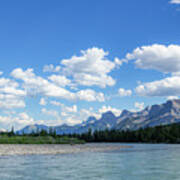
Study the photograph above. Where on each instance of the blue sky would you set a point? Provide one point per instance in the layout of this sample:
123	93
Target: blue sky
62	61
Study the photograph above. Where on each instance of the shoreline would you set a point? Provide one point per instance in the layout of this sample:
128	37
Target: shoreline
46	149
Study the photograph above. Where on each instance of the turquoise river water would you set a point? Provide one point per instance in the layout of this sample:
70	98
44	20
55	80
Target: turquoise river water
141	162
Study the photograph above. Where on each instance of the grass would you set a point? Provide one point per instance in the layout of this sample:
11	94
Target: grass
5	139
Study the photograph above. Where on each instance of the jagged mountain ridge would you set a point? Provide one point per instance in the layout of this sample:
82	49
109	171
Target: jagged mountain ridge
151	116
108	120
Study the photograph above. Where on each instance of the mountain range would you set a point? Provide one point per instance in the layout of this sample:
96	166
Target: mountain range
151	116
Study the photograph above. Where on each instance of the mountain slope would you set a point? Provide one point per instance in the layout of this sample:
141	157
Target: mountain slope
155	115
33	128
108	120
151	116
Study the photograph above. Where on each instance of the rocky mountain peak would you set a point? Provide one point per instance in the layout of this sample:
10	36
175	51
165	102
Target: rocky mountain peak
151	116
90	119
107	114
125	113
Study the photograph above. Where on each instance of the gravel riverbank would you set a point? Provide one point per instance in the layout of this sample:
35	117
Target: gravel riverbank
10	149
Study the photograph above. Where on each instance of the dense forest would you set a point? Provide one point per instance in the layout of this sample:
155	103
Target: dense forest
158	134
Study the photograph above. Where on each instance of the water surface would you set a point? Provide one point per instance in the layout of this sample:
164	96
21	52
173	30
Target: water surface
142	162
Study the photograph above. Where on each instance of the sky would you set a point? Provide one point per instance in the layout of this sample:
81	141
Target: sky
63	61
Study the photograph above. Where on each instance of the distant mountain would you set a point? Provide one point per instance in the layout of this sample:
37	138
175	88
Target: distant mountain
33	128
151	116
107	121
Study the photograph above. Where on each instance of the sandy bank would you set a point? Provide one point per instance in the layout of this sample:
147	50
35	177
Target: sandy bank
10	149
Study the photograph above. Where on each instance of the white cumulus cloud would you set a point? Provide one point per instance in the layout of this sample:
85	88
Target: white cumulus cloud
91	68
90	95
139	105
123	92
175	1
11	96
18	121
105	109
48	112
172	97
35	85
59	80
166	87
51	68
10	102
163	58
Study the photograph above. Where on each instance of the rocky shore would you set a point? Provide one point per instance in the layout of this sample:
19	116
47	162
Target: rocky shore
16	149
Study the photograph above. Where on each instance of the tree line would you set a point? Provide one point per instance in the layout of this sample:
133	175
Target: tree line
38	132
158	134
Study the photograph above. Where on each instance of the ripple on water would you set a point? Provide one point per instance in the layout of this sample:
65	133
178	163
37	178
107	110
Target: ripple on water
142	162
